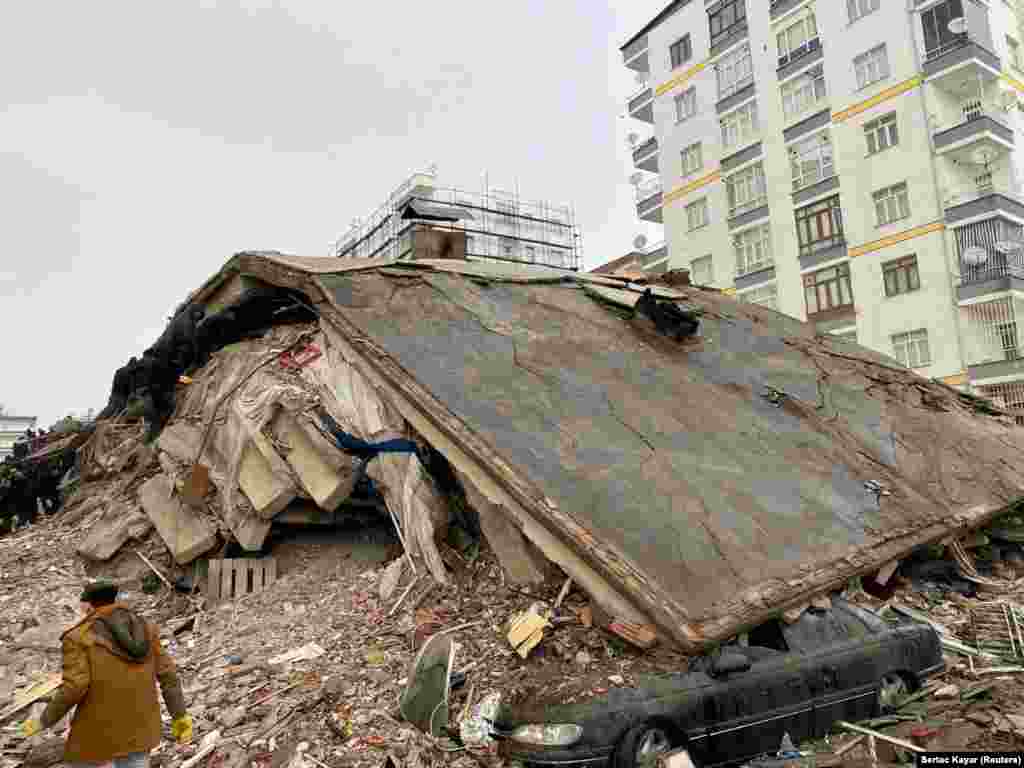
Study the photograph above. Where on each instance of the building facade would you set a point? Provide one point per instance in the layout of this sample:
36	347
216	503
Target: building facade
11	428
498	225
854	163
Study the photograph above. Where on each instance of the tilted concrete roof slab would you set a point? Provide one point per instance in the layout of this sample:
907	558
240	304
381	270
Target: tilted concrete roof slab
713	482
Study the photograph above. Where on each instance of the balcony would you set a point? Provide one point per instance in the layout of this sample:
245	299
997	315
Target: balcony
991	332
641	104
645	156
634	55
981	136
957	63
648	201
991	257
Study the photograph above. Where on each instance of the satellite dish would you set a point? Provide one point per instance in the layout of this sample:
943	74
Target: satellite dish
975	256
1008	246
633	139
635	178
639	242
957	26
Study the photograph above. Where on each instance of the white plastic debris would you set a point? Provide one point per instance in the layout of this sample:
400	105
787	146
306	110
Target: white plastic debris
305	653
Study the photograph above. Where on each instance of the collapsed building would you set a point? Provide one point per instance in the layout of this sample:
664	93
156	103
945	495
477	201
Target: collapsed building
694	464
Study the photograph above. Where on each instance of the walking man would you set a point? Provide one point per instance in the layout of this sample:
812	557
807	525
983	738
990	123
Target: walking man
113	661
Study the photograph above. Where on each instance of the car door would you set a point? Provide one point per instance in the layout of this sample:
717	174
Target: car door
826	691
732	736
859	670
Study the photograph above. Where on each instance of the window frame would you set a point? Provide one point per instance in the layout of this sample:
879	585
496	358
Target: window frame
798	160
739	16
811	40
681	99
762	236
757	179
686	51
693	150
700	203
863	62
909	340
1013	51
892	192
907	266
705	259
772	302
854	9
936	34
821	287
888	125
733	121
812	215
811	80
731	63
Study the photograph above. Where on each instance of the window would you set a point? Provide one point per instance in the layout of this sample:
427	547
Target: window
531	253
686	104
810	160
735	71
858	9
1007	335
726	20
697	214
911	349
680	51
746	190
753	249
847	337
739	126
872	66
819	226
701	272
938	39
901	276
881	133
804	91
797	40
692	159
763	296
828	289
891	204
1013	52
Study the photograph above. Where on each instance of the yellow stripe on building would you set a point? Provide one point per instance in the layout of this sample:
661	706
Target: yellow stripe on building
679	79
1013	81
888	93
956	380
729	291
885	242
686	189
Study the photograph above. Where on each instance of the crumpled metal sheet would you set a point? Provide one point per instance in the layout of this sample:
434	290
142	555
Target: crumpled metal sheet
731	472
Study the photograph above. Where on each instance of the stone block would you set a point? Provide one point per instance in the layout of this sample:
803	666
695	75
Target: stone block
184	532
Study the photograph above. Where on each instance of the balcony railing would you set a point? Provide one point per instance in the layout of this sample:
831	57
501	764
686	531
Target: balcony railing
1001	250
992	331
643	150
958	41
754	203
635	48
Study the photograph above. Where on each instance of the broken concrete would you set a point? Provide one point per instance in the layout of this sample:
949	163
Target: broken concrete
519	559
326	486
184	532
118	525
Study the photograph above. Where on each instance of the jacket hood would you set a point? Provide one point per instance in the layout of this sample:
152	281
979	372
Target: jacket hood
123	631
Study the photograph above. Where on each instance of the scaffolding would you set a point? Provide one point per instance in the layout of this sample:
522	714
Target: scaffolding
504	227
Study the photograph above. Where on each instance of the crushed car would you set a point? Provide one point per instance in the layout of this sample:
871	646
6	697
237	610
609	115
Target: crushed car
738	702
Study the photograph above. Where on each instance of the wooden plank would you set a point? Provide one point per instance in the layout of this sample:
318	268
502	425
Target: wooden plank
213	582
272	570
227	575
34	693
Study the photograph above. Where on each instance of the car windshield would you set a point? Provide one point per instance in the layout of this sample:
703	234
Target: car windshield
816	629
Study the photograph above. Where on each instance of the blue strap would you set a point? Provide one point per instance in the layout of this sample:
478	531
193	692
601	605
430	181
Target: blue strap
354	446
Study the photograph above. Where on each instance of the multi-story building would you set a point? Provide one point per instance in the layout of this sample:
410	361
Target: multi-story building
856	164
497	225
11	428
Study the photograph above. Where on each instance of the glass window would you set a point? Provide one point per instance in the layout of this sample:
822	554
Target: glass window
686	104
697	213
692	159
872	66
735	71
804	91
828	289
701	271
753	249
858	9
891	204
724	21
848	337
810	160
881	133
739	126
680	51
935	21
763	295
911	349
795	41
819	225
1013	51
746	190
901	276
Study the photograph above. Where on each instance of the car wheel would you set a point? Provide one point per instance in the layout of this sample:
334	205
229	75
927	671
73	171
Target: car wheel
641	746
891	691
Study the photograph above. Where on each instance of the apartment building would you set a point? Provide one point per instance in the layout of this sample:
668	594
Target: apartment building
11	428
492	225
854	163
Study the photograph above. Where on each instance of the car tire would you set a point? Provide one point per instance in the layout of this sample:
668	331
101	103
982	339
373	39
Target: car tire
641	745
891	688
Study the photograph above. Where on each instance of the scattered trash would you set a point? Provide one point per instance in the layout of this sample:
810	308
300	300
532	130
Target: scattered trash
475	730
304	653
526	629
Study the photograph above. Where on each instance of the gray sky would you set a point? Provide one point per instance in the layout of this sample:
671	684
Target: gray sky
142	143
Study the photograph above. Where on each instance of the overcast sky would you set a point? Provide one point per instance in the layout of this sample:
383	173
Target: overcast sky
143	143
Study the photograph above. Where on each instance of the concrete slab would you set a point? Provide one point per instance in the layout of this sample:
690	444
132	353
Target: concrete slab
324	484
113	531
267	491
184	532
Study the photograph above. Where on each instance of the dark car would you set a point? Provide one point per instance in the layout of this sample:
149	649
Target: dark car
844	663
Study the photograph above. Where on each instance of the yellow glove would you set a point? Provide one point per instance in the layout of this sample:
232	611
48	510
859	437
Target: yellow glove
181	728
30	728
